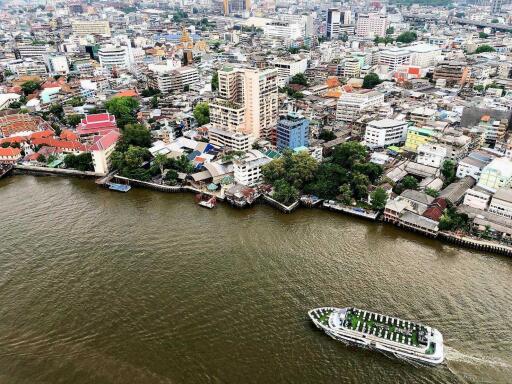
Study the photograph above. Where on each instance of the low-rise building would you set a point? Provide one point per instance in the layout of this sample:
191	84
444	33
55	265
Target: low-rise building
497	174
385	132
292	131
9	155
477	198
431	154
247	169
418	136
230	139
501	203
351	104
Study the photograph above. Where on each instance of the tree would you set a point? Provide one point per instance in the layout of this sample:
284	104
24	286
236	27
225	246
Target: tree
186	88
15	105
73	120
483	35
160	161
390	30
30	86
432	192
360	185
384	40
379	198
293	50
409	182
124	109
202	114
479	88
348	154
295	169
215	81
299	78
407	37
171	176
328	178
76	101
345	195
134	135
285	193
326	135
148	92
449	171
484	48
154	102
371	80
372	170
41	158
495	21
82	162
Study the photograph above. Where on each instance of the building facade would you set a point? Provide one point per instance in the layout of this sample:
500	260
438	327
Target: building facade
292	131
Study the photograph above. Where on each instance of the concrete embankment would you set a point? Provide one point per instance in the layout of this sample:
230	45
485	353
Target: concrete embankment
480	244
29	169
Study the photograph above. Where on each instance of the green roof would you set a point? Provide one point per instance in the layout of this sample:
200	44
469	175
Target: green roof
273	154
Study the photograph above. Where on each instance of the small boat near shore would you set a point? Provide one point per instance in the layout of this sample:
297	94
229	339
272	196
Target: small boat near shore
118	187
206	201
404	339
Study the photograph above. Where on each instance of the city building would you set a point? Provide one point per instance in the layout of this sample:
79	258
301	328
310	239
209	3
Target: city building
352	104
431	154
287	68
292	131
394	58
229	139
497	174
169	80
452	72
236	7
114	57
9	155
418	136
91	27
371	24
337	22
285	30
424	55
247	169
477	198
501	203
385	132
33	51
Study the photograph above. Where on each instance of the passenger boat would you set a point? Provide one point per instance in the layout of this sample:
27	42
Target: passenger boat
119	187
403	339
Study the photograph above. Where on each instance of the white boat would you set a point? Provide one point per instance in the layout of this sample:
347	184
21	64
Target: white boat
403	339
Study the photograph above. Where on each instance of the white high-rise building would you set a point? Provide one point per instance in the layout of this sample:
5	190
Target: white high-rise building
394	58
371	24
91	27
288	68
114	57
336	21
257	91
286	30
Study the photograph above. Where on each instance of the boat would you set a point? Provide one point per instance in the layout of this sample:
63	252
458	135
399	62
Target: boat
119	187
206	201
403	339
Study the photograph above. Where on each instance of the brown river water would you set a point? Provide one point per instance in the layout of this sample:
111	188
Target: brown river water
146	287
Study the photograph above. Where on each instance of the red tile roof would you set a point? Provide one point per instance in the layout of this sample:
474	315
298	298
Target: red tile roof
41	134
127	93
64	144
95	124
105	141
9	152
66	134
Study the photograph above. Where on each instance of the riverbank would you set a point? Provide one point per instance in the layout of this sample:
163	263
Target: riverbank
464	241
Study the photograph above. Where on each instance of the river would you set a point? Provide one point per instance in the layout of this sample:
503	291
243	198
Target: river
147	287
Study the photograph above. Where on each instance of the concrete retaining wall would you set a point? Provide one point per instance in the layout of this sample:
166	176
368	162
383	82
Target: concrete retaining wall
54	171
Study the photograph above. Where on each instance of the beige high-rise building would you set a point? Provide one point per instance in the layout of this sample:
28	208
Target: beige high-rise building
91	27
256	90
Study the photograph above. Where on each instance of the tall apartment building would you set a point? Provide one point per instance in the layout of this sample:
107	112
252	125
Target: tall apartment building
173	80
306	22
91	27
257	91
351	105
336	22
247	170
371	24
292	131
227	120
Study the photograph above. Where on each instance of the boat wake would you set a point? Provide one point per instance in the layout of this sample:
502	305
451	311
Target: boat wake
452	355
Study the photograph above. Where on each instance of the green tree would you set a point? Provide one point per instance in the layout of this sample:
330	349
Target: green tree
202	113
215	81
409	182
57	110
360	185
285	193
15	105
328	178
76	101
30	86
171	176
483	35
379	198
134	135
326	135
293	50
148	92
371	80
432	192
479	88
154	102
73	120
390	30
407	37
485	48
124	109
373	171
345	194
348	154
295	169
449	171
299	78
41	158
160	161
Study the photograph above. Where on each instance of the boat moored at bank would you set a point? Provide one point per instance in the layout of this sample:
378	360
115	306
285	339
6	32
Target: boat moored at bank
403	339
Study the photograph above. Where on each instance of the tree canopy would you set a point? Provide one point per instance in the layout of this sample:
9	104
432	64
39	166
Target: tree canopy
485	48
299	78
134	135
202	113
371	80
82	162
379	198
124	109
30	86
407	37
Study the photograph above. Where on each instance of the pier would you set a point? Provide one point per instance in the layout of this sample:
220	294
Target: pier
351	210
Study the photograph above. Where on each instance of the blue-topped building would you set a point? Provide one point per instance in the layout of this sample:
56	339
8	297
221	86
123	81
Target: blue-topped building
292	131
